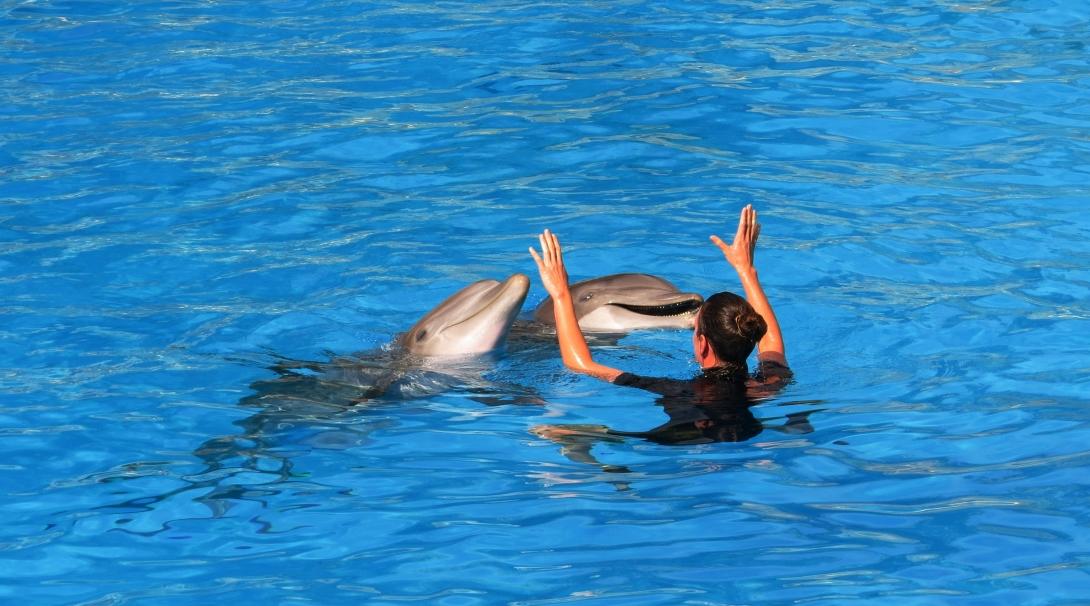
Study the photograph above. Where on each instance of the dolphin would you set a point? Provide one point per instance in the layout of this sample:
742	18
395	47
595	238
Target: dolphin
474	320
442	350
319	404
624	302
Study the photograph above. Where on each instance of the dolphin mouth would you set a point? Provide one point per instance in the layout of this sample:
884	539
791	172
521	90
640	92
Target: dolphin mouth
666	309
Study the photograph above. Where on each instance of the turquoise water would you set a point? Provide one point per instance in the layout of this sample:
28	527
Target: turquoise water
193	191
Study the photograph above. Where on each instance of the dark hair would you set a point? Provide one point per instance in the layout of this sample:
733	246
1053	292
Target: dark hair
732	327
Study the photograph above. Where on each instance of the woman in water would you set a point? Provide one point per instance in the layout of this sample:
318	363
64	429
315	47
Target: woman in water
712	406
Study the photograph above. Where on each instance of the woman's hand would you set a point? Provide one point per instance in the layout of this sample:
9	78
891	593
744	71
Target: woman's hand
740	253
550	264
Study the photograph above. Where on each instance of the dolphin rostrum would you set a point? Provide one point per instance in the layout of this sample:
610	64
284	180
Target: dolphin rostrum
473	320
623	302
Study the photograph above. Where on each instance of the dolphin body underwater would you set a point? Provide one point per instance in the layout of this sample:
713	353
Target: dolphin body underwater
314	404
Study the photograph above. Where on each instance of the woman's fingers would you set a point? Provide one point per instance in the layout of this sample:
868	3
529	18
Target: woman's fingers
550	250
740	232
547	243
745	238
546	246
545	255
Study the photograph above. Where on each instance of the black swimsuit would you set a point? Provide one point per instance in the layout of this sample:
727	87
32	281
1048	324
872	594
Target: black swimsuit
711	407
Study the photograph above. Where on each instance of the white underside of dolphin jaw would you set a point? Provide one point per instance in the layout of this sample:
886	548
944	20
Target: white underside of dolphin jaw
611	318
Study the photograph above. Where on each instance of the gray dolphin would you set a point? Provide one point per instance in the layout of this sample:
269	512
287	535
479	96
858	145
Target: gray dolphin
473	320
437	353
623	302
316	403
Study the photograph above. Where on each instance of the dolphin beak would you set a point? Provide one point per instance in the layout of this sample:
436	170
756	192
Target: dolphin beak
660	304
518	282
510	294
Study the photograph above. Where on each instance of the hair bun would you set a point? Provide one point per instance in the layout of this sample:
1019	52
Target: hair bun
732	327
751	325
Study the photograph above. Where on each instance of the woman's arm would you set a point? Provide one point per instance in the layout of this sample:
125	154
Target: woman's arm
573	346
740	256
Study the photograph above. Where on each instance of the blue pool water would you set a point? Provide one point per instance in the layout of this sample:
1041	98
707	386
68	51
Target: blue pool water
192	191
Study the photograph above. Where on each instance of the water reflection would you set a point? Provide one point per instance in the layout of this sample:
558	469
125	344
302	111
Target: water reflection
691	421
305	406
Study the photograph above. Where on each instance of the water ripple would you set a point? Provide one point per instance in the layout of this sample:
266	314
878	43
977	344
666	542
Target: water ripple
194	193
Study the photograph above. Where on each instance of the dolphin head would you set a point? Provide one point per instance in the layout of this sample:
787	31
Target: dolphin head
623	302
473	320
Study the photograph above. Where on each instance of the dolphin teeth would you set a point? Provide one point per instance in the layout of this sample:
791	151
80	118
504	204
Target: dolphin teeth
668	309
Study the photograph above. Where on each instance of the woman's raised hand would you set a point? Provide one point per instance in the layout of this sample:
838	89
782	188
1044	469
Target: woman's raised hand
740	253
550	264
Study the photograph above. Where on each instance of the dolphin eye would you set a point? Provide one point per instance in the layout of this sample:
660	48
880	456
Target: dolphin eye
587	297
420	335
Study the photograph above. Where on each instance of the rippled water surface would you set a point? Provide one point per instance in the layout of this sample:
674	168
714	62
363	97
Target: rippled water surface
193	192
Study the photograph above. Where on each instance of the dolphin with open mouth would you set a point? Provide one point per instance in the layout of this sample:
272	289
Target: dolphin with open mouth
623	302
